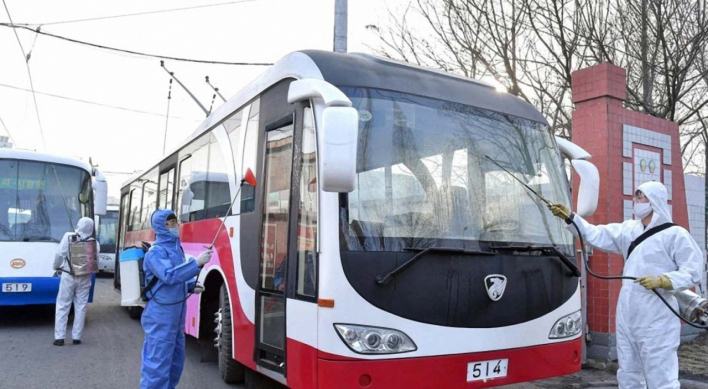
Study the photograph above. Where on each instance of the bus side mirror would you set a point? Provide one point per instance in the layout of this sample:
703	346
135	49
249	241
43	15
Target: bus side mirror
589	186
100	193
340	128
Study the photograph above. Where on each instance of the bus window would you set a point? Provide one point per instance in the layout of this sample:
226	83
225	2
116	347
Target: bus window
149	198
107	231
307	214
166	187
40	201
123	220
233	129
192	182
136	197
218	194
250	152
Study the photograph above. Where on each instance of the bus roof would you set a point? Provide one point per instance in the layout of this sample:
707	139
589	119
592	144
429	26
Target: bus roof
364	70
27	155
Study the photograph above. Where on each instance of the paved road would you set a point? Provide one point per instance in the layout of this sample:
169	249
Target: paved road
109	356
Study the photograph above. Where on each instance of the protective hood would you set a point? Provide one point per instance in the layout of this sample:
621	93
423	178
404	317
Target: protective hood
84	227
158	220
658	197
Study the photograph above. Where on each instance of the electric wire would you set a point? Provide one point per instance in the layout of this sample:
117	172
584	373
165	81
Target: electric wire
29	53
135	14
15	27
167	116
29	73
95	103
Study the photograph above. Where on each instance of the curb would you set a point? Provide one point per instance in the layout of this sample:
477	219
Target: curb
693	384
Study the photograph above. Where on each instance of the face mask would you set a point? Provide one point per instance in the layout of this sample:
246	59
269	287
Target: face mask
174	231
642	210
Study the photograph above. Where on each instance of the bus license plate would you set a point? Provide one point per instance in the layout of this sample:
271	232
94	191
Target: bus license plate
485	370
17	287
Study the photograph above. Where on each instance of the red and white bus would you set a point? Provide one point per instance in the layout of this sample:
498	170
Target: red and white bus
384	245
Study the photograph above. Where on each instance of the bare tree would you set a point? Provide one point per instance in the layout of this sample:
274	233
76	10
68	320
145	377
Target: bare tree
532	47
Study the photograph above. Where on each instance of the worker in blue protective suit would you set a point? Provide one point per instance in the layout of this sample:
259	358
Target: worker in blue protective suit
164	315
648	333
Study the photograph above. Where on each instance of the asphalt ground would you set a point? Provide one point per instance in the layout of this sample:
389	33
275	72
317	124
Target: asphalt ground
108	357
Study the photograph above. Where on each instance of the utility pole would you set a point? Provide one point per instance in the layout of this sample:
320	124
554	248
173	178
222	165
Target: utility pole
340	26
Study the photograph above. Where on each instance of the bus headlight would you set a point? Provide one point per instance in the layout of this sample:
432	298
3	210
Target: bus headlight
374	340
567	326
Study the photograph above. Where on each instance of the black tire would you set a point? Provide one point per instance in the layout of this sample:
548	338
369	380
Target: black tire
232	372
135	312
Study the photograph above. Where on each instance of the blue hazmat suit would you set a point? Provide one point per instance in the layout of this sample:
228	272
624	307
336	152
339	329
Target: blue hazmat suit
164	315
648	334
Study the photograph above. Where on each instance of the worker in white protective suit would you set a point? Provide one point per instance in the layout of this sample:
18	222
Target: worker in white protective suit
72	288
648	333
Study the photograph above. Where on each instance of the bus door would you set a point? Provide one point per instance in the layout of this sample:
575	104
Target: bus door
275	247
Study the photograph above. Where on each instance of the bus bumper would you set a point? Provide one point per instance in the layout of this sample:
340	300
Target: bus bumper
451	371
44	290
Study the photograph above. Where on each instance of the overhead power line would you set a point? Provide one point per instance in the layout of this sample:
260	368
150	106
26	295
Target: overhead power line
134	14
29	73
94	103
15	26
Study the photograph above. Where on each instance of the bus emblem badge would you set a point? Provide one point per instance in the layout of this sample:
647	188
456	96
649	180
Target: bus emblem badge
17	263
495	284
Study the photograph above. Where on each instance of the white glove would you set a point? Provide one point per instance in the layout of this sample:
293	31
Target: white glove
198	288
204	257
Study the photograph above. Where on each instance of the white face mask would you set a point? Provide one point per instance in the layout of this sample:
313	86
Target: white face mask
642	210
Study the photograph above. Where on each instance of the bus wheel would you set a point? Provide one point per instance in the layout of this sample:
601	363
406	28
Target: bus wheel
232	372
135	312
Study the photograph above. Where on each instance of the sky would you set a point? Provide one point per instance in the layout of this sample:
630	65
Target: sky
112	106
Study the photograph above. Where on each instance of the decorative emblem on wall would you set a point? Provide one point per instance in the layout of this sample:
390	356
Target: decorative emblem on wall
647	163
17	263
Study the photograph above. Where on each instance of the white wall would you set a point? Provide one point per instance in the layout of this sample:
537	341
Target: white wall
696	204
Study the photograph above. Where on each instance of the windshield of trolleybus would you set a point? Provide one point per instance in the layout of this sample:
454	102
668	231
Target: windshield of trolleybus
41	201
107	231
424	179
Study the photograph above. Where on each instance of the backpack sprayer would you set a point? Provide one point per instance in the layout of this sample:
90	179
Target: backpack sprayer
693	309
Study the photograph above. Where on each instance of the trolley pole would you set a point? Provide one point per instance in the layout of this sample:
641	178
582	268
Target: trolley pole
340	26
162	63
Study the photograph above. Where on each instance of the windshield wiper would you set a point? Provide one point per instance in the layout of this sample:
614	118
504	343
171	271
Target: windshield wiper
383	279
545	249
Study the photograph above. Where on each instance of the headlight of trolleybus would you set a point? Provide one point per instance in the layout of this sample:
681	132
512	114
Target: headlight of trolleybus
567	326
374	340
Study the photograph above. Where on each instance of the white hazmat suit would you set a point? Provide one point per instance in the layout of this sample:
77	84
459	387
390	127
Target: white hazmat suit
648	334
72	288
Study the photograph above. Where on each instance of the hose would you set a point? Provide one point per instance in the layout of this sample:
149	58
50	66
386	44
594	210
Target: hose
585	261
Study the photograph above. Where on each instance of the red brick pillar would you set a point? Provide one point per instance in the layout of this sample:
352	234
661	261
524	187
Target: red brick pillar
628	149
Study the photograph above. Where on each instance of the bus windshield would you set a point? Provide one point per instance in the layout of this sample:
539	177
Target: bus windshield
107	231
40	201
427	176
